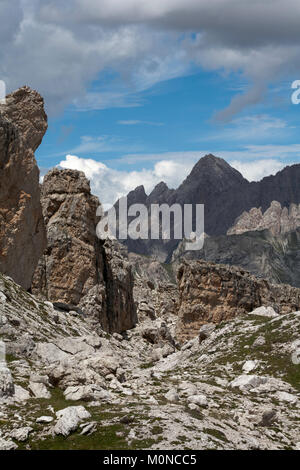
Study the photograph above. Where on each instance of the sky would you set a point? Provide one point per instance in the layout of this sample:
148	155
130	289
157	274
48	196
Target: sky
137	92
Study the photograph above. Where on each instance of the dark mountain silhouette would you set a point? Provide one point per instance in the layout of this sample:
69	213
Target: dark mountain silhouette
225	194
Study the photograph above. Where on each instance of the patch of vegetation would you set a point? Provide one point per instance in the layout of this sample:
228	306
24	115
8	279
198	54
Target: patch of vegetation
216	433
147	365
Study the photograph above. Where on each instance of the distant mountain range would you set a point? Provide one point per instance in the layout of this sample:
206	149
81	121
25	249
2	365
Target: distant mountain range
225	193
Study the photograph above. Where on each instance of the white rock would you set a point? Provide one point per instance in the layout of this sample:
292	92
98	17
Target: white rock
38	378
247	382
199	400
21	394
7	388
172	395
39	390
74	346
287	397
152	400
193	407
7	444
249	366
45	419
260	341
88	428
21	434
69	419
264	312
50	353
86	392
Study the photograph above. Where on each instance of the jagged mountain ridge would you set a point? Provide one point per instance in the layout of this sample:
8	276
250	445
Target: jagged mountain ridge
225	193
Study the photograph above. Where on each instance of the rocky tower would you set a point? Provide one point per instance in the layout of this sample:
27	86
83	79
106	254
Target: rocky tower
23	123
77	268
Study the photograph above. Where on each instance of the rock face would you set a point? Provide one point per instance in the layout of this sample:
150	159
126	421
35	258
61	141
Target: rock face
276	219
77	268
23	123
72	263
225	195
212	293
275	258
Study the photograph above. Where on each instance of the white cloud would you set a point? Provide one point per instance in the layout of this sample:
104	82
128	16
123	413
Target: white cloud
258	169
250	127
61	47
110	184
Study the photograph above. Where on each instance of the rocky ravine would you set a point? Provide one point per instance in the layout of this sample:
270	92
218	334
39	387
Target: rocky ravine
23	123
235	386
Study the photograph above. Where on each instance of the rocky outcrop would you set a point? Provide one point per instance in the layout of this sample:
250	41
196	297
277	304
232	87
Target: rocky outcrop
23	123
77	268
275	258
211	293
276	219
72	263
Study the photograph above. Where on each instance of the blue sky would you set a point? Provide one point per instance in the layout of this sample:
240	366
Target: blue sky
176	120
138	91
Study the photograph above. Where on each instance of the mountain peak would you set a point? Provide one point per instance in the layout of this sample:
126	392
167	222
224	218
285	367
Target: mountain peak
214	172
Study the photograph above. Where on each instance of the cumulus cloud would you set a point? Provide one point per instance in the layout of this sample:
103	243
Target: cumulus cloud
110	184
61	47
258	169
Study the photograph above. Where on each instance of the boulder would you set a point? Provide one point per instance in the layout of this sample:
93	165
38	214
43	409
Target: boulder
199	400
44	419
7	388
248	382
21	434
69	419
172	395
7	444
249	366
39	390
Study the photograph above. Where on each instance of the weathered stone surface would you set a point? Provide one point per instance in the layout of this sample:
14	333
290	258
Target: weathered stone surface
6	382
247	382
44	419
71	264
69	419
23	123
7	444
21	394
211	292
77	268
276	219
39	390
21	434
